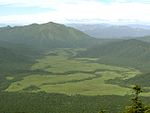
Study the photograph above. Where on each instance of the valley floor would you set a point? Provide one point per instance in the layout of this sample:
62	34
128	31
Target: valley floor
61	72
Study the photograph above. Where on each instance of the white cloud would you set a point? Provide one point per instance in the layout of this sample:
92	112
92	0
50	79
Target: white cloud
39	3
79	10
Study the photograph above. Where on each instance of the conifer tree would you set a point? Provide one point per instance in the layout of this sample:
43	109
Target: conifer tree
137	105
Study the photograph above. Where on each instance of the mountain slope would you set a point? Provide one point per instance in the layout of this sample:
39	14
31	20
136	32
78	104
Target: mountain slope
49	35
133	53
14	57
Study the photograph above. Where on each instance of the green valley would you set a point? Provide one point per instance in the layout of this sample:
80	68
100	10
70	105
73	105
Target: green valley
63	74
52	68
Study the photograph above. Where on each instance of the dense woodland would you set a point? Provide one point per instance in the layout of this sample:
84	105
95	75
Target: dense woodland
59	103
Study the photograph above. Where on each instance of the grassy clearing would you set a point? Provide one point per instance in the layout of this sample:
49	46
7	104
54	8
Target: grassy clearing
62	63
74	76
9	78
95	86
39	80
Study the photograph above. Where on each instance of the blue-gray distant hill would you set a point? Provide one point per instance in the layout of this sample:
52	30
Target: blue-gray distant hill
113	31
145	39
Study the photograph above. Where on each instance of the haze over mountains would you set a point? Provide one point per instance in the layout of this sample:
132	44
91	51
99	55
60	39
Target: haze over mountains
113	31
2	25
109	31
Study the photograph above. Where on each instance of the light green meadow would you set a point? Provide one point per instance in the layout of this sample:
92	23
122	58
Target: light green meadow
69	75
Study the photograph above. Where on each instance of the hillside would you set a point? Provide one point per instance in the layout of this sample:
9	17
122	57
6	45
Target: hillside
15	57
112	31
49	35
133	53
7	55
14	60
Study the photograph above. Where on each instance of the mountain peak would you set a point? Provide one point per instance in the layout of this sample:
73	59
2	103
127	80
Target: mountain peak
47	35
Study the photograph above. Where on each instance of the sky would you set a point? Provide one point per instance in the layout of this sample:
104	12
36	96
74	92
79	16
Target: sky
74	11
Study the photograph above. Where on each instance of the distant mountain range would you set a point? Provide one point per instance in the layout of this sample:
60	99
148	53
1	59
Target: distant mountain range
145	39
28	42
113	31
2	25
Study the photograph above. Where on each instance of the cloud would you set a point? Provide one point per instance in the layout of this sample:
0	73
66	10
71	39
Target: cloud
53	3
131	1
40	3
80	10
